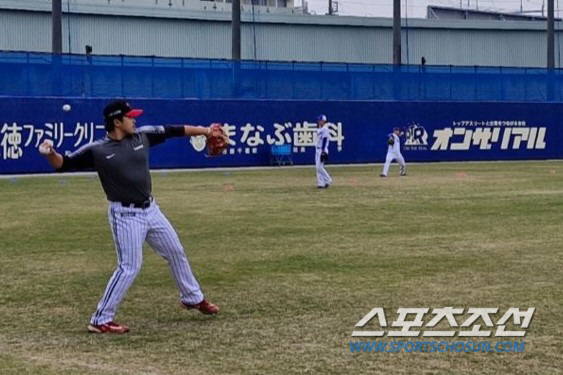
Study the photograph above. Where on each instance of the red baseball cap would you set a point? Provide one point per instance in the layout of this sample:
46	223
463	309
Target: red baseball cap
120	108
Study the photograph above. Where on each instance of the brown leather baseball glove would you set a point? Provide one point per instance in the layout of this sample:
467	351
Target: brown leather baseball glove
217	140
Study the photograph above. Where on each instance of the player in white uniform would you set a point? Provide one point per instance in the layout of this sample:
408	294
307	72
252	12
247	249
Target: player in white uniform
321	153
394	153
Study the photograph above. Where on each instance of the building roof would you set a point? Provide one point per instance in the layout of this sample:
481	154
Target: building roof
447	13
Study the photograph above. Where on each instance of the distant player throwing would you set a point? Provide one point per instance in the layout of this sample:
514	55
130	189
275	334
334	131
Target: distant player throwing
321	153
394	153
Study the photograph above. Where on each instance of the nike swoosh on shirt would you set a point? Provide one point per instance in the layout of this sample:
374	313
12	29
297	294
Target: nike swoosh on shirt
138	147
110	156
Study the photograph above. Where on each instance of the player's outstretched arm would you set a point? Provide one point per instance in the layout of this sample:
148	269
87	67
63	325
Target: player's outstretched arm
217	139
53	157
190	130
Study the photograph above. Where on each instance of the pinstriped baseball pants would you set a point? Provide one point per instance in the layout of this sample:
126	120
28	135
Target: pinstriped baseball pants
130	228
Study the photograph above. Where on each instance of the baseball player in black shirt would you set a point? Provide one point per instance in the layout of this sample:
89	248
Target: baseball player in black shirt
121	159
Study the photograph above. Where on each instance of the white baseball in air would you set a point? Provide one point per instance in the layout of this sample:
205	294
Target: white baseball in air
66	107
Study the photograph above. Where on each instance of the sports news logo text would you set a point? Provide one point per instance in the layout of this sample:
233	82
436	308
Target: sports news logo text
471	326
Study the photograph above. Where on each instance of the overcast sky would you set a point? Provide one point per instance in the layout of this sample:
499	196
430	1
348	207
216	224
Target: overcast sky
417	8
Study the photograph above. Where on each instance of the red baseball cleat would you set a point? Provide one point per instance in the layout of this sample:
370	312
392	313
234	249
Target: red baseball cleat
110	327
205	307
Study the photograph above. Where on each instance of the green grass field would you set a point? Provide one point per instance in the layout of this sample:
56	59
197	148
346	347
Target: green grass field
292	268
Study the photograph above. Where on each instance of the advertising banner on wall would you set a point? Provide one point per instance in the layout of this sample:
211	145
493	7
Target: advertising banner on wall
433	131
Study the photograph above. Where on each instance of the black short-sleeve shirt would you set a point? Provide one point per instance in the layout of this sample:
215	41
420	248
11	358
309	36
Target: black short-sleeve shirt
123	166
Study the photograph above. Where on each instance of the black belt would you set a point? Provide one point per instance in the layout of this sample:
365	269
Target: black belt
144	204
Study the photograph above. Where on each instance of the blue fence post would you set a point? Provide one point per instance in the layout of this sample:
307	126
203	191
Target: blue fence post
293	80
450	83
266	75
525	83
372	82
152	76
122	77
476	82
209	79
237	79
500	84
419	81
91	74
56	74
322	80
550	85
396	80
28	74
348	82
182	95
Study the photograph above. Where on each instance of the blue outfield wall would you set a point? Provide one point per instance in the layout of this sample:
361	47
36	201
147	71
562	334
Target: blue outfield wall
435	131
